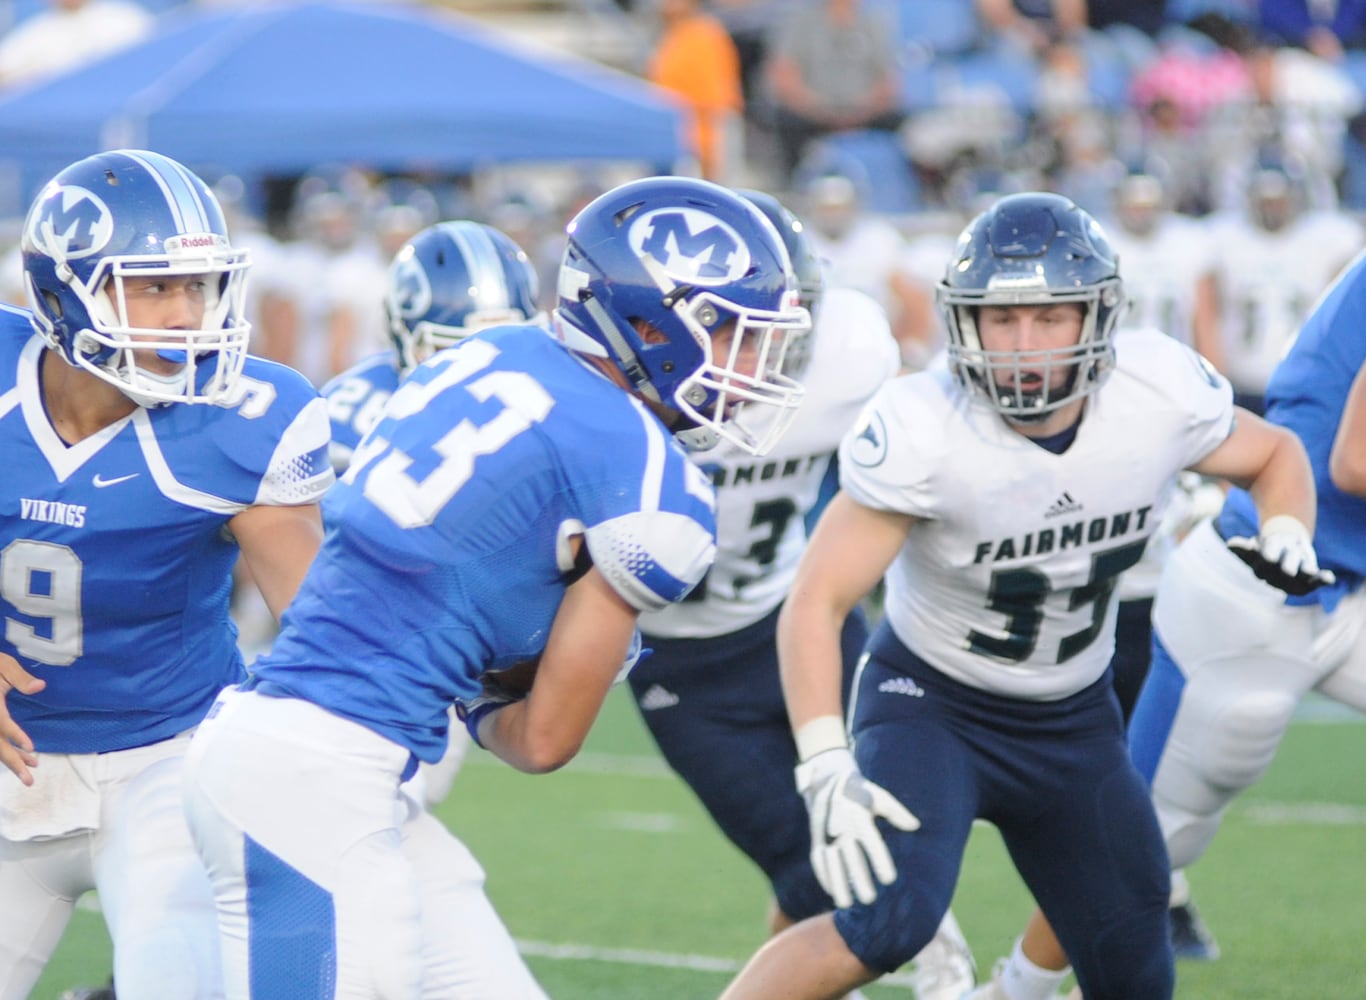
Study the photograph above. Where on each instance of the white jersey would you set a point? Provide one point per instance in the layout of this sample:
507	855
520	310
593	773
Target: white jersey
760	502
1006	580
1268	283
864	258
1162	271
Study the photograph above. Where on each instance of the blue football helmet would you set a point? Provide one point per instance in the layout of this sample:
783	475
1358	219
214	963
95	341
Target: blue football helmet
454	279
134	214
652	271
1032	249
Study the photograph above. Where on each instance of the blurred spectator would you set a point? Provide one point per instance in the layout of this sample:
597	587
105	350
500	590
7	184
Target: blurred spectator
1196	74
1169	262
68	34
696	59
832	68
862	250
1086	169
1034	24
1165	134
1148	16
750	23
332	275
1324	28
1298	105
1276	256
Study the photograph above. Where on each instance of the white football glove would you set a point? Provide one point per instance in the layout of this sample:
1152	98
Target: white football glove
1283	555
843	806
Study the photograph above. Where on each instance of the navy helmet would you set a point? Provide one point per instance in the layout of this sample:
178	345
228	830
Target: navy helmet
1032	249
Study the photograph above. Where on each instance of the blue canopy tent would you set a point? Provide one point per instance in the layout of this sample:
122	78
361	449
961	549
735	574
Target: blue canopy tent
279	87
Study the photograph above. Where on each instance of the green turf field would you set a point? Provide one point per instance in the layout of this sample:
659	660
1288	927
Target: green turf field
619	888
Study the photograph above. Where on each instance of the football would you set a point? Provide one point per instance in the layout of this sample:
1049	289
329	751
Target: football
516	680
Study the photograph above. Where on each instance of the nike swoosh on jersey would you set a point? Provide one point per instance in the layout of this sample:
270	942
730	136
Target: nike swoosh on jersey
101	482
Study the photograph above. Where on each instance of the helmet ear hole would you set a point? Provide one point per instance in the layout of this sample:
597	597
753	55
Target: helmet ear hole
53	304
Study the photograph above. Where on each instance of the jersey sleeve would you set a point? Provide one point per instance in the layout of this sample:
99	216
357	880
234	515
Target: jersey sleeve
655	534
855	338
887	459
300	471
275	439
1193	386
651	558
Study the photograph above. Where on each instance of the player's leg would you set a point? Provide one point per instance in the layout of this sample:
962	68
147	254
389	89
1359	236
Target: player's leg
1090	850
297	814
467	951
715	709
1340	647
1231	660
153	888
907	730
40	882
47	833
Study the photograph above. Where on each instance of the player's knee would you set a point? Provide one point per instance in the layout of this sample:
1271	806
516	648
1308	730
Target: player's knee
797	892
1188	835
892	931
1238	744
168	962
1131	959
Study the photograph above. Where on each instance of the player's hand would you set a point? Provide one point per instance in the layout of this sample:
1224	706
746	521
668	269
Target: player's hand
1283	555
843	807
494	694
16	749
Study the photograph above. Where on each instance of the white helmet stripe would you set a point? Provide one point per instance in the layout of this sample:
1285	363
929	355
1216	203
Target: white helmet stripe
181	197
487	284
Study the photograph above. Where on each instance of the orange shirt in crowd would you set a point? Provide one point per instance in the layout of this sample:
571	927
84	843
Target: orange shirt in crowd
697	60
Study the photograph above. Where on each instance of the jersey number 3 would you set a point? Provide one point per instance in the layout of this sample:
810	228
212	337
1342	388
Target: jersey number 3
1019	594
414	503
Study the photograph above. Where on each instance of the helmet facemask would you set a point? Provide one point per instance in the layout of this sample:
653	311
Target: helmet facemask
211	356
745	397
1004	376
1032	250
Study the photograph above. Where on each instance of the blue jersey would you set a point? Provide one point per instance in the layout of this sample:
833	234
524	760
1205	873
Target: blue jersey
1307	394
115	568
354	401
447	545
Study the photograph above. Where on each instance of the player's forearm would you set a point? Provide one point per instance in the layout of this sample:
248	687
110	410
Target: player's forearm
809	660
510	735
1285	486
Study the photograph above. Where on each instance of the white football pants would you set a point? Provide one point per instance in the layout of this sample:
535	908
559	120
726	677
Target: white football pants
135	851
331	883
1247	658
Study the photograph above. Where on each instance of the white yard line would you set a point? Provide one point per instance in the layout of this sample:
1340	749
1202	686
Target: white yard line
653	959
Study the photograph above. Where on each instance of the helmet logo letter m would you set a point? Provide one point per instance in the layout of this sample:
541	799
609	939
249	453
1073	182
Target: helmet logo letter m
71	223
692	247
